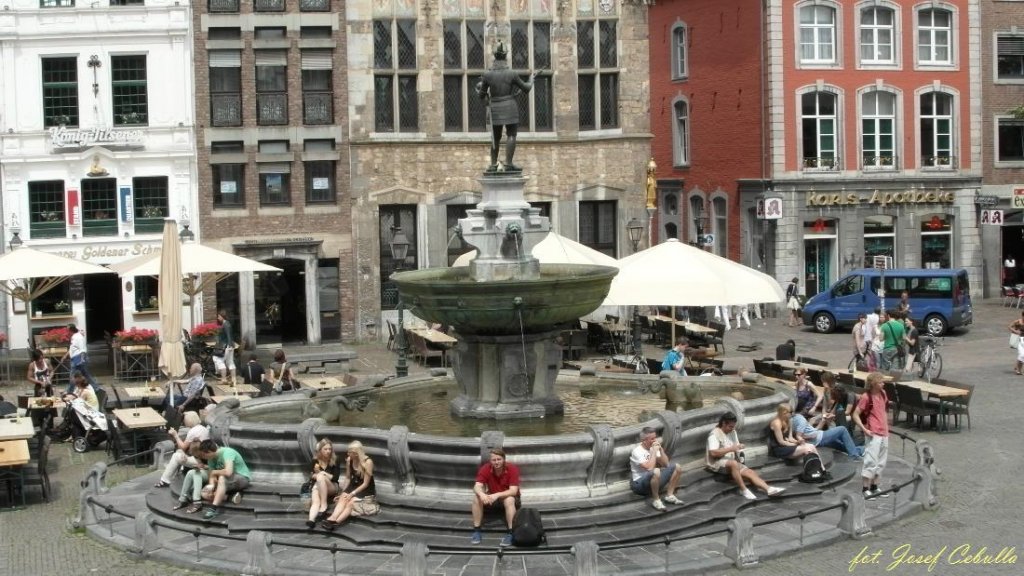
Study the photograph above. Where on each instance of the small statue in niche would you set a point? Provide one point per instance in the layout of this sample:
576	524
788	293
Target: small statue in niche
95	169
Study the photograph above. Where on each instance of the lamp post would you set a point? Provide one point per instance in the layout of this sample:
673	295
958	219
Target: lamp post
16	241
399	250
635	230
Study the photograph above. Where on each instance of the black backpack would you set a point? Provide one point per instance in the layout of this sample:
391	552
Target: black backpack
527	528
813	471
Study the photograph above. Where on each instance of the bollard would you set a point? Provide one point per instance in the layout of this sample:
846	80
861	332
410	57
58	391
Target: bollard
146	538
852	521
925	489
585	558
414	559
162	451
260	562
740	546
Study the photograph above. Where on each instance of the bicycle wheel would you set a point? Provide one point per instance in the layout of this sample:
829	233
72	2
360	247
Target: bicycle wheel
934	367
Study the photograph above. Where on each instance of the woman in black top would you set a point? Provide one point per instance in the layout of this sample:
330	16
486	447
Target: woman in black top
325	475
359	498
39	374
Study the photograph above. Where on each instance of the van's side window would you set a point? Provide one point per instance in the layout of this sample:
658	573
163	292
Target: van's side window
849	286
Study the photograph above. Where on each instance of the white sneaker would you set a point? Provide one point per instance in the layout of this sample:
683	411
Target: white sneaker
774	490
748	494
671	499
658	505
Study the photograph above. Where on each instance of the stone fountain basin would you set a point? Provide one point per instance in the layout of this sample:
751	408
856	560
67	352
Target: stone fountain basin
451	297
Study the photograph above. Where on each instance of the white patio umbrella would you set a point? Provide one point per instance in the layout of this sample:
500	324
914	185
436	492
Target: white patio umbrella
197	261
26	274
676	274
172	350
556	249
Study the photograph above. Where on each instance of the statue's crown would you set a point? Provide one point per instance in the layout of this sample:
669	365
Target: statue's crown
500	53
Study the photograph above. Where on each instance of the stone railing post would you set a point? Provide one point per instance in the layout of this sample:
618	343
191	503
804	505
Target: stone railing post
489	440
162	452
925	488
94	484
671	432
585	558
401	462
146	538
306	437
603	449
740	545
852	521
414	559
260	562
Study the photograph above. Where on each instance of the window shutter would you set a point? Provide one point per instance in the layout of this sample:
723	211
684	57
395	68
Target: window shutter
271	58
317	60
225	58
1011	45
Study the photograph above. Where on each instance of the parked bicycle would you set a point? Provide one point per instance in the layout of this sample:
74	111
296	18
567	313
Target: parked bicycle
929	359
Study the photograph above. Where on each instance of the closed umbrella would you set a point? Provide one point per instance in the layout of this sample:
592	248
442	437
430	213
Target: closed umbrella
172	350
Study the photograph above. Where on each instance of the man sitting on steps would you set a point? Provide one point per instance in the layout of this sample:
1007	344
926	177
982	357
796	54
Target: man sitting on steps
496	488
650	469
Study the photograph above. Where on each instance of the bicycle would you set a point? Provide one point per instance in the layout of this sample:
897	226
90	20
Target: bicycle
929	359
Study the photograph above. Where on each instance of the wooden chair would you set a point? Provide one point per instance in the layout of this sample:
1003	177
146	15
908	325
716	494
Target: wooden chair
716	339
425	352
40	475
894	399
957	407
913	403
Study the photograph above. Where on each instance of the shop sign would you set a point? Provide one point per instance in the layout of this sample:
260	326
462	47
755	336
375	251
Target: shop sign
882	198
986	200
994	217
107	251
64	137
74	216
299	240
127	207
769	208
1018	197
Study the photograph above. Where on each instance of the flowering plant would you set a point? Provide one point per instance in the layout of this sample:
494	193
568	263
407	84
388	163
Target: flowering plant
206	331
136	335
56	336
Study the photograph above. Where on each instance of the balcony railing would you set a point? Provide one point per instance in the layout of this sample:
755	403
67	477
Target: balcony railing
314	5
821	164
226	110
871	163
317	108
224	5
939	162
268	5
271	109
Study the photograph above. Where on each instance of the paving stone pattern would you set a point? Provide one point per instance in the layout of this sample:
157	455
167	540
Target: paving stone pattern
978	490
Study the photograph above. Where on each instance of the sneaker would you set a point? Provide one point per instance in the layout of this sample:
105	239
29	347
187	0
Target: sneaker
869	494
179	505
310	524
774	490
476	538
658	505
748	494
881	494
671	499
194	507
211	513
507	539
237	498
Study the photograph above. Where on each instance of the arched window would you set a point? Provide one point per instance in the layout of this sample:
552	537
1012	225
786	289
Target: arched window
877	30
721	226
878	125
681	134
934	36
936	110
817	34
818	130
698	218
680	69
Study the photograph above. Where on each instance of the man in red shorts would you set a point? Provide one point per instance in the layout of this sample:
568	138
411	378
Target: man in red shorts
496	488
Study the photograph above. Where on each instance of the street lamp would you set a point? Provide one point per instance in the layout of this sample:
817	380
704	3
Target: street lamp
186	235
399	250
16	241
635	230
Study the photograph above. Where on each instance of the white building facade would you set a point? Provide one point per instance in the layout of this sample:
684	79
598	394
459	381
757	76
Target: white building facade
97	148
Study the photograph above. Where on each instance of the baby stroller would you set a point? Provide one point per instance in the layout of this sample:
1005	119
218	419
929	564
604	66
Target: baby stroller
87	427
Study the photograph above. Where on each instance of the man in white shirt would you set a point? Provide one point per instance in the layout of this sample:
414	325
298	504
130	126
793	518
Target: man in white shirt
721	458
78	353
650	469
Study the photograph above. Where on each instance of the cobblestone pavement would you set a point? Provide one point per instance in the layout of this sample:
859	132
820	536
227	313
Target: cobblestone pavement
978	490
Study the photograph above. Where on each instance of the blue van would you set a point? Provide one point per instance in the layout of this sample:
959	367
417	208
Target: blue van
940	298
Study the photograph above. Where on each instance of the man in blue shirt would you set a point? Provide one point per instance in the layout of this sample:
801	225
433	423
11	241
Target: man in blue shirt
676	357
837	437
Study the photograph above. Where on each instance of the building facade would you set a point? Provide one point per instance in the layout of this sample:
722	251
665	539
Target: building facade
875	115
273	164
1002	143
420	138
97	148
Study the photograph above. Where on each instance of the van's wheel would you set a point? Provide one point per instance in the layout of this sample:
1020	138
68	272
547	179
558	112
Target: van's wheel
824	322
935	325
80	445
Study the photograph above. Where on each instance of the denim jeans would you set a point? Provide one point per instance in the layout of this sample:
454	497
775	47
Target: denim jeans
838	437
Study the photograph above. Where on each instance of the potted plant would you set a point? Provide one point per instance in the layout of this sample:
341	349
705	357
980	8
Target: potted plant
207	331
56	337
62	306
136	336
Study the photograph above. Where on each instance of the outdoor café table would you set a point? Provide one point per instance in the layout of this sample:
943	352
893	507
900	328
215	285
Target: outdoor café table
693	328
138	419
37	409
791	365
239	397
943	393
322	383
861	377
140	393
16	428
13	457
238	388
434	336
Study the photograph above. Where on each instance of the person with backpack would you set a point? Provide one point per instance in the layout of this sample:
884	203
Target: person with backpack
872	418
650	470
496	488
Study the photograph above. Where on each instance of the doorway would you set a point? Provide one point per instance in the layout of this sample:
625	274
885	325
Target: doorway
1013	249
103	306
818	255
280	299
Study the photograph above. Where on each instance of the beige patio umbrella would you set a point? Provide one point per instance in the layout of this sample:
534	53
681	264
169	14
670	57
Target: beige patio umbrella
26	274
556	249
201	266
172	350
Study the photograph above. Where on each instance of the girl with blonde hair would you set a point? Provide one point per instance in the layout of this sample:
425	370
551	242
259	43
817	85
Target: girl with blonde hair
359	498
781	442
323	479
